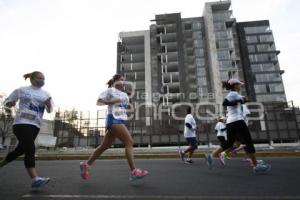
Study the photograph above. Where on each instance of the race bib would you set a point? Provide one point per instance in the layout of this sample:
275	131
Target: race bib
28	115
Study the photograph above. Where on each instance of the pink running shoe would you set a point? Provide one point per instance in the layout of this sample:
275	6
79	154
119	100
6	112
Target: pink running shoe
137	174
84	170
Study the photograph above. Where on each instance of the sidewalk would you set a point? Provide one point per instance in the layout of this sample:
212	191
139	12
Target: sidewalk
263	150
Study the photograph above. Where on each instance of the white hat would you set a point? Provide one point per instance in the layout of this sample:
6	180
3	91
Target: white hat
235	81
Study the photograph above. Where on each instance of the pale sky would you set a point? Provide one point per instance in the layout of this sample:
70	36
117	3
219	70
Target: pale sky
73	42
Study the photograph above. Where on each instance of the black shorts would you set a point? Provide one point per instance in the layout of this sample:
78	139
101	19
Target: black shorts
192	142
222	140
239	131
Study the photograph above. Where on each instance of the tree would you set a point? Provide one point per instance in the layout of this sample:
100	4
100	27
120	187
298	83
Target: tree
6	120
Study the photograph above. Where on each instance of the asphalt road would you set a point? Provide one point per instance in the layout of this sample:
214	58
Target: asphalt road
168	179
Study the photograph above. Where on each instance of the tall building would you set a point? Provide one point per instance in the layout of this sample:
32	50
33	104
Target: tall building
186	59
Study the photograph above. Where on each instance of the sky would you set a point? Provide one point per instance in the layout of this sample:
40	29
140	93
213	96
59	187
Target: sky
73	42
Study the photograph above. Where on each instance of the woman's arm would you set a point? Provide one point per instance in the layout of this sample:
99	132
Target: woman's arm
49	105
101	102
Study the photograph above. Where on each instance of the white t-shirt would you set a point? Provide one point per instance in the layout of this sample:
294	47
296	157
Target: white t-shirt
234	113
117	110
31	105
219	126
188	133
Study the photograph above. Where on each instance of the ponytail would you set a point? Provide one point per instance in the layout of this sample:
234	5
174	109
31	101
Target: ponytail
28	75
31	75
226	85
114	79
110	83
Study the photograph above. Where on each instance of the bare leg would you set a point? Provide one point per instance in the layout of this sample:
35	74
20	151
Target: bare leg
108	139
32	172
253	158
216	152
120	131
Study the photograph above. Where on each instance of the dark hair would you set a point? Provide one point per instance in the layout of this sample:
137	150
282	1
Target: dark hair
189	110
227	86
31	75
114	79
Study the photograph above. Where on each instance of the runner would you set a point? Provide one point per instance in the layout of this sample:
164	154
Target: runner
32	103
190	136
236	127
117	101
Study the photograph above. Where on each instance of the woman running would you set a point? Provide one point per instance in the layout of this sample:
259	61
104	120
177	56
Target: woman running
32	103
236	127
117	101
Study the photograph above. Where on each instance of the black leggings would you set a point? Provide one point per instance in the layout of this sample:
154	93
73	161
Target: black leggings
239	131
222	140
26	135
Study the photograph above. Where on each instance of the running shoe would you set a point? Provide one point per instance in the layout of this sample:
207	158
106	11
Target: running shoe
209	161
261	168
258	162
181	154
222	158
39	181
84	170
137	174
189	161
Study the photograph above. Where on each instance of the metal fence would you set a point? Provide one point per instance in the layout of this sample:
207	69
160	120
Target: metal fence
280	124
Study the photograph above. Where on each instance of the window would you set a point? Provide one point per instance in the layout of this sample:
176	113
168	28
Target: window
201	71
198	43
187	26
223	55
276	87
265	47
223	35
251	39
263	57
224	44
199	52
202	81
266	38
218	26
268	77
263	67
251	48
225	64
221	16
257	29
197	35
197	25
260	88
200	62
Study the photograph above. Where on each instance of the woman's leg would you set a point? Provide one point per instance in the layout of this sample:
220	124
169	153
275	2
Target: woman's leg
19	150
121	132
29	149
108	140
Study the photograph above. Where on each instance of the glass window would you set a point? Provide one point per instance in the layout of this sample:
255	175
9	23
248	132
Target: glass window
276	87
197	25
257	29
199	52
198	43
223	35
263	67
200	62
266	38
251	39
251	48
260	88
197	35
265	47
268	77
218	26
223	55
226	64
202	81
201	71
